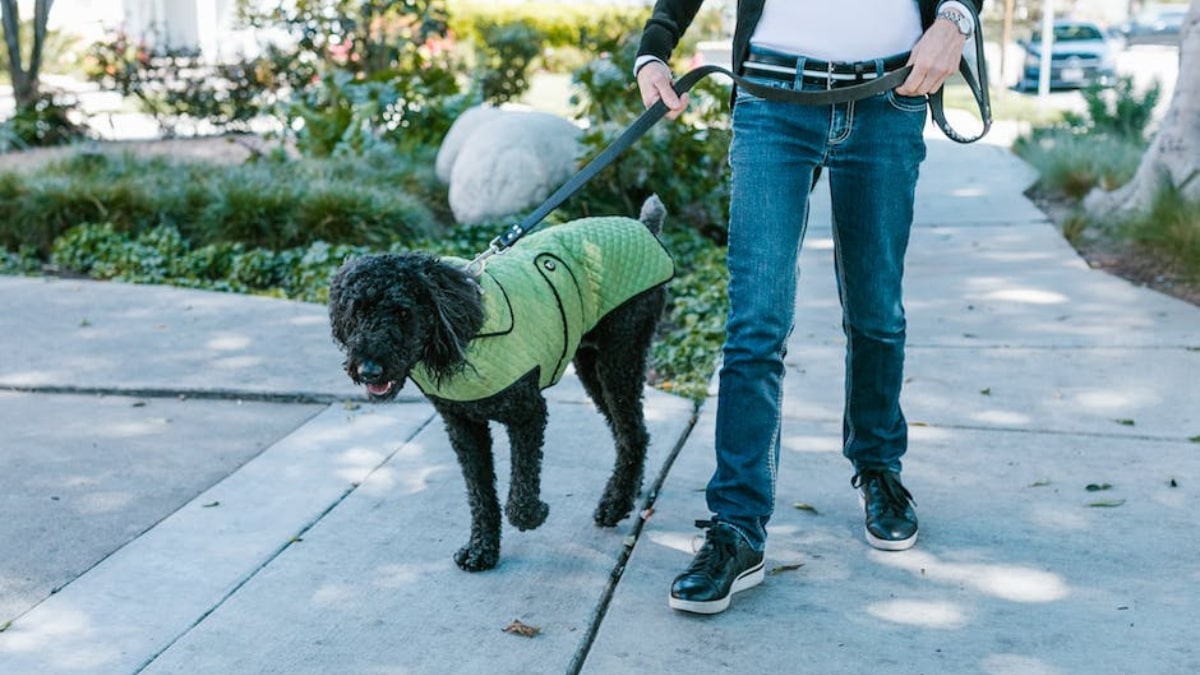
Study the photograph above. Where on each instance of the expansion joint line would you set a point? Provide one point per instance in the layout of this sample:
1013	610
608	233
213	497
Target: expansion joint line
647	508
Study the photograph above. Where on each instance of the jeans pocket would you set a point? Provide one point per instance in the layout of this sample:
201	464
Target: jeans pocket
744	96
906	103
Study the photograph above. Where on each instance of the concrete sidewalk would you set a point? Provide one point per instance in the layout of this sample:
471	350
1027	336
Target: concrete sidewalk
192	486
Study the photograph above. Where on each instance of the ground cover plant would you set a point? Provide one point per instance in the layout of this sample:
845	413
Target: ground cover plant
1101	148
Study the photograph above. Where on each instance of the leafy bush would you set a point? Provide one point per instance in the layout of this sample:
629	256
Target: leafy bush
1101	148
354	72
584	26
686	159
505	58
163	256
1171	228
52	119
1070	163
258	204
342	115
365	37
174	85
690	338
23	261
1120	112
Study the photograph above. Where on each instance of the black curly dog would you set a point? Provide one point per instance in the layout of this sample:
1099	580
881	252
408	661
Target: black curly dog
390	311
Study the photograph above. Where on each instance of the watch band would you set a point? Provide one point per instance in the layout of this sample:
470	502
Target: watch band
964	24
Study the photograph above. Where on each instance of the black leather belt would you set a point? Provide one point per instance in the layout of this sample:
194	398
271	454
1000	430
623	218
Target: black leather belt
826	74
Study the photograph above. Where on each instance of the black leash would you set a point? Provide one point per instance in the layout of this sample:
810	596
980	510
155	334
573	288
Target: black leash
656	112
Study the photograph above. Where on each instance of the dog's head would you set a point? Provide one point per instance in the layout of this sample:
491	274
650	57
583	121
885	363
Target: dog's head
389	312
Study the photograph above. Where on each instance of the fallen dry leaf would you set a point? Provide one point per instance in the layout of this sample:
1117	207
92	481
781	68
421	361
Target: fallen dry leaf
524	630
786	568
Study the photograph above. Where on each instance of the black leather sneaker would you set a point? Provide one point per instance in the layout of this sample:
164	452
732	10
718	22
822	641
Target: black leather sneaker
724	565
891	520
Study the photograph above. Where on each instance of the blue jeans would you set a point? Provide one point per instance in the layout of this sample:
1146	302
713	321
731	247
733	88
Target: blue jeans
871	149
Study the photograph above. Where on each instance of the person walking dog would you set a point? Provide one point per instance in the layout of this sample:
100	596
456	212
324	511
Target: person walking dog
872	149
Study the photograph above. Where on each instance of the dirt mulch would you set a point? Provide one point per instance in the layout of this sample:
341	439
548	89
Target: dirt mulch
1125	259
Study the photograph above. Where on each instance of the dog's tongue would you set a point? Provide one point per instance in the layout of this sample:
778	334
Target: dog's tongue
380	389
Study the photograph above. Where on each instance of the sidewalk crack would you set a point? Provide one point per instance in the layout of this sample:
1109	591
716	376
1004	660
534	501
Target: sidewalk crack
606	596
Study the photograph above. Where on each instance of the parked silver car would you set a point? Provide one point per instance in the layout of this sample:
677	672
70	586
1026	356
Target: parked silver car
1157	25
1080	56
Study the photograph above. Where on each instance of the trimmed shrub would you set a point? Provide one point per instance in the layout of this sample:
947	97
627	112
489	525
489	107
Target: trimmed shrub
275	205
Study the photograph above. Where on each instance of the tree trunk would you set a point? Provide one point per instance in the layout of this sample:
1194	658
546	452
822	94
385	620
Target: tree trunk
24	79
1174	154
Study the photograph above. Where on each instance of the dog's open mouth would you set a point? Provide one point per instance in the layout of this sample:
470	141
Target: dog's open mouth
381	388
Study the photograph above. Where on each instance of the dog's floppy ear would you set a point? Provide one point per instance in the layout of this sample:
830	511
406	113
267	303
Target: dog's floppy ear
457	316
340	303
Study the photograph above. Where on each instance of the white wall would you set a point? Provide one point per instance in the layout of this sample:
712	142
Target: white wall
90	19
206	25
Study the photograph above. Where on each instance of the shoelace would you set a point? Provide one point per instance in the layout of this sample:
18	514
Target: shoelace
719	544
896	496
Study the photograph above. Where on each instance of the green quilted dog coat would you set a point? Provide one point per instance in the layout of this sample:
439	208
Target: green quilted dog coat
542	295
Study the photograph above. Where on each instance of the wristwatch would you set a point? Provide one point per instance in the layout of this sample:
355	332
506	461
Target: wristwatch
963	23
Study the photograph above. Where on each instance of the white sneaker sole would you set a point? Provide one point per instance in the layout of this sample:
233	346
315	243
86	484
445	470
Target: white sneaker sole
888	544
748	579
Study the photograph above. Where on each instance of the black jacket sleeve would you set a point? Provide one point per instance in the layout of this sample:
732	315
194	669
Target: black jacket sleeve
669	20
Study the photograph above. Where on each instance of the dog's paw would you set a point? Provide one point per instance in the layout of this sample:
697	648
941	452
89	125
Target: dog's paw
527	517
611	512
476	558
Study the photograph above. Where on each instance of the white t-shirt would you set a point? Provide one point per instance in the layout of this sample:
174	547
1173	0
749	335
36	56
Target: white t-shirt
847	30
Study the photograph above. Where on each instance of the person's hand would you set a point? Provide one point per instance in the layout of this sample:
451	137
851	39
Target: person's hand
654	82
934	58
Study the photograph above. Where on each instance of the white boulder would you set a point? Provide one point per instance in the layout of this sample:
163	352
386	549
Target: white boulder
465	125
502	162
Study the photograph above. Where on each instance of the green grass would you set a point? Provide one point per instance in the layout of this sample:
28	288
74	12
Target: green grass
1071	163
1171	228
269	203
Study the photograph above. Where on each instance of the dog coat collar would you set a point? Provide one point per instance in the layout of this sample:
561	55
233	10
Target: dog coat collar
542	296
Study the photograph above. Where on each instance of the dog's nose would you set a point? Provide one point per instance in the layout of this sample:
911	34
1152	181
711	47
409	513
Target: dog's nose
369	371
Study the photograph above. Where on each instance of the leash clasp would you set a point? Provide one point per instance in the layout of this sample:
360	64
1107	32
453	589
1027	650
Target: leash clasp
496	246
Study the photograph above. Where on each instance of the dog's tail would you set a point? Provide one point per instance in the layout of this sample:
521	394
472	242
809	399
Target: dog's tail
653	214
